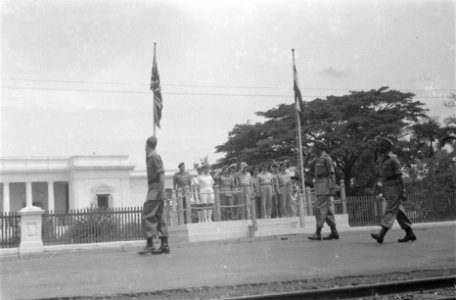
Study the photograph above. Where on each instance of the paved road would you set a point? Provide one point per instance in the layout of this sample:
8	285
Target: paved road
109	272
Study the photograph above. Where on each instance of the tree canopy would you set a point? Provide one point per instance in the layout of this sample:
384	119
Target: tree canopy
343	123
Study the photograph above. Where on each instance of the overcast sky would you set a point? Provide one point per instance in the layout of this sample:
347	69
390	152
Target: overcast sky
75	74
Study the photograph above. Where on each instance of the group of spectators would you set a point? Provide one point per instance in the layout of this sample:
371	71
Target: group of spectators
270	186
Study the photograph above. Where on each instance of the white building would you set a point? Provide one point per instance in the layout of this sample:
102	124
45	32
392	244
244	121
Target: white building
63	183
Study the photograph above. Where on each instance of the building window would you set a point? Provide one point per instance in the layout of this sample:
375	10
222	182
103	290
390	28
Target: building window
103	201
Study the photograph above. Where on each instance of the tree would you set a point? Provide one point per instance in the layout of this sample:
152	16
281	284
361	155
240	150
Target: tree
343	123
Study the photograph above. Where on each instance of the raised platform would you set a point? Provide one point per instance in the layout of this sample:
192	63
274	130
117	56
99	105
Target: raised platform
198	232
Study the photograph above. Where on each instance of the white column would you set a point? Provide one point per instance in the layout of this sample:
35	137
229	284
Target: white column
51	201
28	194
6	197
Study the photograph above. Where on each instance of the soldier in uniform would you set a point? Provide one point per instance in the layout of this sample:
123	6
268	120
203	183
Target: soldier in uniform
275	191
284	190
181	181
265	182
389	170
245	183
225	183
153	223
325	182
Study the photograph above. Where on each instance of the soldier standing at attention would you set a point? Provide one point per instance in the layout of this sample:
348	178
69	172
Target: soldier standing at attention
265	181
182	180
389	170
225	182
325	182
235	191
284	190
275	191
153	223
246	185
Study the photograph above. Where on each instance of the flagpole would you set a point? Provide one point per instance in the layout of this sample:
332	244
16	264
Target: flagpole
301	164
153	94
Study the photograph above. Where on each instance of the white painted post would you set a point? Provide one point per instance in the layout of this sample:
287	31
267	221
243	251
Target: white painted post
6	197
31	219
28	194
343	196
51	202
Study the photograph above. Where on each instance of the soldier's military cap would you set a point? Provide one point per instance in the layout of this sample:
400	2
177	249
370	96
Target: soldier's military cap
233	166
242	165
319	145
384	142
181	164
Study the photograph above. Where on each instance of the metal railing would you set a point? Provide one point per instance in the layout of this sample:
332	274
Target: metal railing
91	226
368	210
122	224
10	233
185	206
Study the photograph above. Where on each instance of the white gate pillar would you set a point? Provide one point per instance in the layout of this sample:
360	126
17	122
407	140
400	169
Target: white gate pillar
31	219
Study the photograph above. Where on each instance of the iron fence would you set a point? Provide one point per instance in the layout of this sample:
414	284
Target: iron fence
10	230
92	226
368	210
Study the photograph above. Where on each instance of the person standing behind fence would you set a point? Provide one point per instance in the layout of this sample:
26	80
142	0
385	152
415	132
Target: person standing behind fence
264	183
236	196
245	183
195	191
325	182
275	191
256	192
152	221
206	183
284	191
389	169
225	182
181	181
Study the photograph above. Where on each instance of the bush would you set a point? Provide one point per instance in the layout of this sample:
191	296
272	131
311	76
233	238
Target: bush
95	225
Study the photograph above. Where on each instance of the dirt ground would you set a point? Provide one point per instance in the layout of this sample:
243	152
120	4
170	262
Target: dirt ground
221	292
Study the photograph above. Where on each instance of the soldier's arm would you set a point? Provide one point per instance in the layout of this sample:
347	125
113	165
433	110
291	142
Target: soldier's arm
398	172
331	172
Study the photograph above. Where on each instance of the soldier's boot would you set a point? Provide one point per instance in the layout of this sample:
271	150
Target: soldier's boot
381	235
148	248
409	236
316	236
164	247
334	235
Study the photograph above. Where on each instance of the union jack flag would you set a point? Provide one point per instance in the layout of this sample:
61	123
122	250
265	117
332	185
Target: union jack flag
155	87
297	91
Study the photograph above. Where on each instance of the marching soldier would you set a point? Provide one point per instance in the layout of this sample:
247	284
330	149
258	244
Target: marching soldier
389	170
153	223
325	183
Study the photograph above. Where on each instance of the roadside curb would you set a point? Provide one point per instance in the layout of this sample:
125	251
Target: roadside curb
128	245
